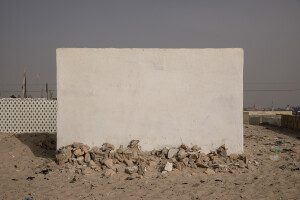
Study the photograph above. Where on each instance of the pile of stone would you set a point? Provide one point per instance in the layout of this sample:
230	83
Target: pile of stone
131	160
215	161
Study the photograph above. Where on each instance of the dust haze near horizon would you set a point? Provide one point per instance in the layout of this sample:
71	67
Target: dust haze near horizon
269	32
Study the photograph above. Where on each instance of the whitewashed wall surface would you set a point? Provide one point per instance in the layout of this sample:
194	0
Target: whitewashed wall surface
27	115
162	97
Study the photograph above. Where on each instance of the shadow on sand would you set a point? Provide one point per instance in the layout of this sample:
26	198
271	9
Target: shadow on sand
41	144
285	131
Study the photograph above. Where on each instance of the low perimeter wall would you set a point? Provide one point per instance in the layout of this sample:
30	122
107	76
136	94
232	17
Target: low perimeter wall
275	112
27	115
290	121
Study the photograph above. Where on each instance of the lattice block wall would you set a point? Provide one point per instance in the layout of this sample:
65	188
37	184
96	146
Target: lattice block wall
28	115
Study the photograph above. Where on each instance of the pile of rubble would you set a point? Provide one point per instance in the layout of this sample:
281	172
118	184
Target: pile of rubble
131	160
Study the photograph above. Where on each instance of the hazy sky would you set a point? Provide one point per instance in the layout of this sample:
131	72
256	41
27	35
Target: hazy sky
269	32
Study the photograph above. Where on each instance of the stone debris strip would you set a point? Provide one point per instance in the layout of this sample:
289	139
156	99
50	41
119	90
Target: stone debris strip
131	160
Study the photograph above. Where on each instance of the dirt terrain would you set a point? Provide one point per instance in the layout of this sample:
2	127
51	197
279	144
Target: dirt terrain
28	171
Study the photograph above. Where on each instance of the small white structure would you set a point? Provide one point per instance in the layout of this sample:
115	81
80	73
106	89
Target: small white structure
162	97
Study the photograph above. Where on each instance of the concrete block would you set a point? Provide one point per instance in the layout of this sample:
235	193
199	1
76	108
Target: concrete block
246	117
162	97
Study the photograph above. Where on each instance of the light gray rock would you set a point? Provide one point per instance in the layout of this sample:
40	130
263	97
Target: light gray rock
80	160
169	167
131	170
172	152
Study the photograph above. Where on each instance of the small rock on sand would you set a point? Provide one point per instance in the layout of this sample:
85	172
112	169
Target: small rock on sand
109	173
169	167
209	172
131	170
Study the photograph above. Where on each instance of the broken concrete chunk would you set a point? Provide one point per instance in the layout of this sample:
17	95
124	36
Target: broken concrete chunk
172	152
131	170
118	157
169	167
135	153
133	143
179	165
233	156
242	157
95	150
120	149
129	163
87	157
108	163
241	164
92	164
185	147
222	151
86	170
127	151
108	147
209	171
214	159
78	152
185	161
181	154
142	169
195	148
61	158
109	173
200	163
193	155
164	152
80	160
77	144
203	157
85	148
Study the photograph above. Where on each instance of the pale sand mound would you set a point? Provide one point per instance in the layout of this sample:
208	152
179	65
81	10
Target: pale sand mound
28	171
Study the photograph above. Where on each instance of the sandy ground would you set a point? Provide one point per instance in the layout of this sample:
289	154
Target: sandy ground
273	175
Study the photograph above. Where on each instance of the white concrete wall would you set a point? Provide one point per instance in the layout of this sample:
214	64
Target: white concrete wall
162	97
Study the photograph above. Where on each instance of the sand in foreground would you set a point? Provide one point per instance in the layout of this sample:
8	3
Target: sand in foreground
272	175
